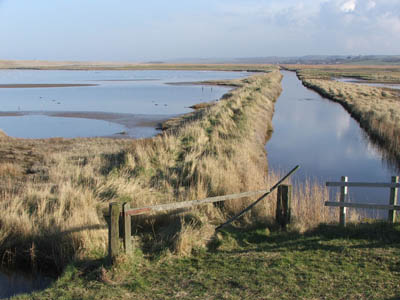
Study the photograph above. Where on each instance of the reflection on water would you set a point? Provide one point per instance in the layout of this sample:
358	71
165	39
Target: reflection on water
118	92
13	283
321	136
39	126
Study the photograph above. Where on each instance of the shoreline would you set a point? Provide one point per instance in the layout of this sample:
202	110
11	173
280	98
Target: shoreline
129	121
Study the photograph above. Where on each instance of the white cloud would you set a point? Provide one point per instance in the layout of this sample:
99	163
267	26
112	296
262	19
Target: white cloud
371	4
342	125
389	22
209	28
348	6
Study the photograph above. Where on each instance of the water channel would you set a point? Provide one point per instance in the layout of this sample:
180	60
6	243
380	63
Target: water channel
321	136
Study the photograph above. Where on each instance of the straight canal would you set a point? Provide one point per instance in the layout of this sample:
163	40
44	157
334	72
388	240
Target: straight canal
322	137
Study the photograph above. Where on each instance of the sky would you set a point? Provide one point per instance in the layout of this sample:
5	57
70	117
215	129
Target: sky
152	30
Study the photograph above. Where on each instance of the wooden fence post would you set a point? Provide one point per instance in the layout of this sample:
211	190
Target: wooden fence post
113	231
283	205
127	228
343	194
393	200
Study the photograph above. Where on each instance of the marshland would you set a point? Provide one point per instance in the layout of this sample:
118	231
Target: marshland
54	193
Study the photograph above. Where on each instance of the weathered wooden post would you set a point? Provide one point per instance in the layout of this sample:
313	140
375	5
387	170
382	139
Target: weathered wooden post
283	205
113	231
127	228
343	196
393	200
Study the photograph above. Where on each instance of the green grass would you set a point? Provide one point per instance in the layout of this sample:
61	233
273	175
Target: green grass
359	262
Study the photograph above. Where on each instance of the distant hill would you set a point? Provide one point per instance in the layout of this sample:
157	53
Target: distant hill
308	59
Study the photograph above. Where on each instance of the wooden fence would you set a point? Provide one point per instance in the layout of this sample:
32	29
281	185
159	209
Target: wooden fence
125	213
342	204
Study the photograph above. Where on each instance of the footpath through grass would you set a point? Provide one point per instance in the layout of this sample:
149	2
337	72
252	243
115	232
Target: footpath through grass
359	262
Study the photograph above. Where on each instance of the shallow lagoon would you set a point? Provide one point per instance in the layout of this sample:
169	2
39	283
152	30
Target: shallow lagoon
127	94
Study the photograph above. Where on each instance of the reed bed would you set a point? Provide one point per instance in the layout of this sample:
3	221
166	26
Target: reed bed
53	192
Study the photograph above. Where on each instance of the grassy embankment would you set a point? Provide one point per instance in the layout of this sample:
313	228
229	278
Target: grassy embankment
376	109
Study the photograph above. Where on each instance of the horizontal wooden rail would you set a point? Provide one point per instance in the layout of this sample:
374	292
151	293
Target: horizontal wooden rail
115	213
362	205
342	204
184	204
283	214
364	184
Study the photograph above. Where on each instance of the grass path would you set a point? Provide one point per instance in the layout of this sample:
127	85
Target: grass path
360	262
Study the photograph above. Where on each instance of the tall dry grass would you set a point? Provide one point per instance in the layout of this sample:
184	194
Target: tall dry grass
52	192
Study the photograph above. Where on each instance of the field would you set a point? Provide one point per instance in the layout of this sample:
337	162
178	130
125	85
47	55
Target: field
70	65
376	109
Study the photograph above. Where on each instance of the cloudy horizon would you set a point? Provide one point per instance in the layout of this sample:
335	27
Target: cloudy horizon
157	30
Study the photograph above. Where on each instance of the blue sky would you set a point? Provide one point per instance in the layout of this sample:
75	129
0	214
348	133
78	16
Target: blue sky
126	30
